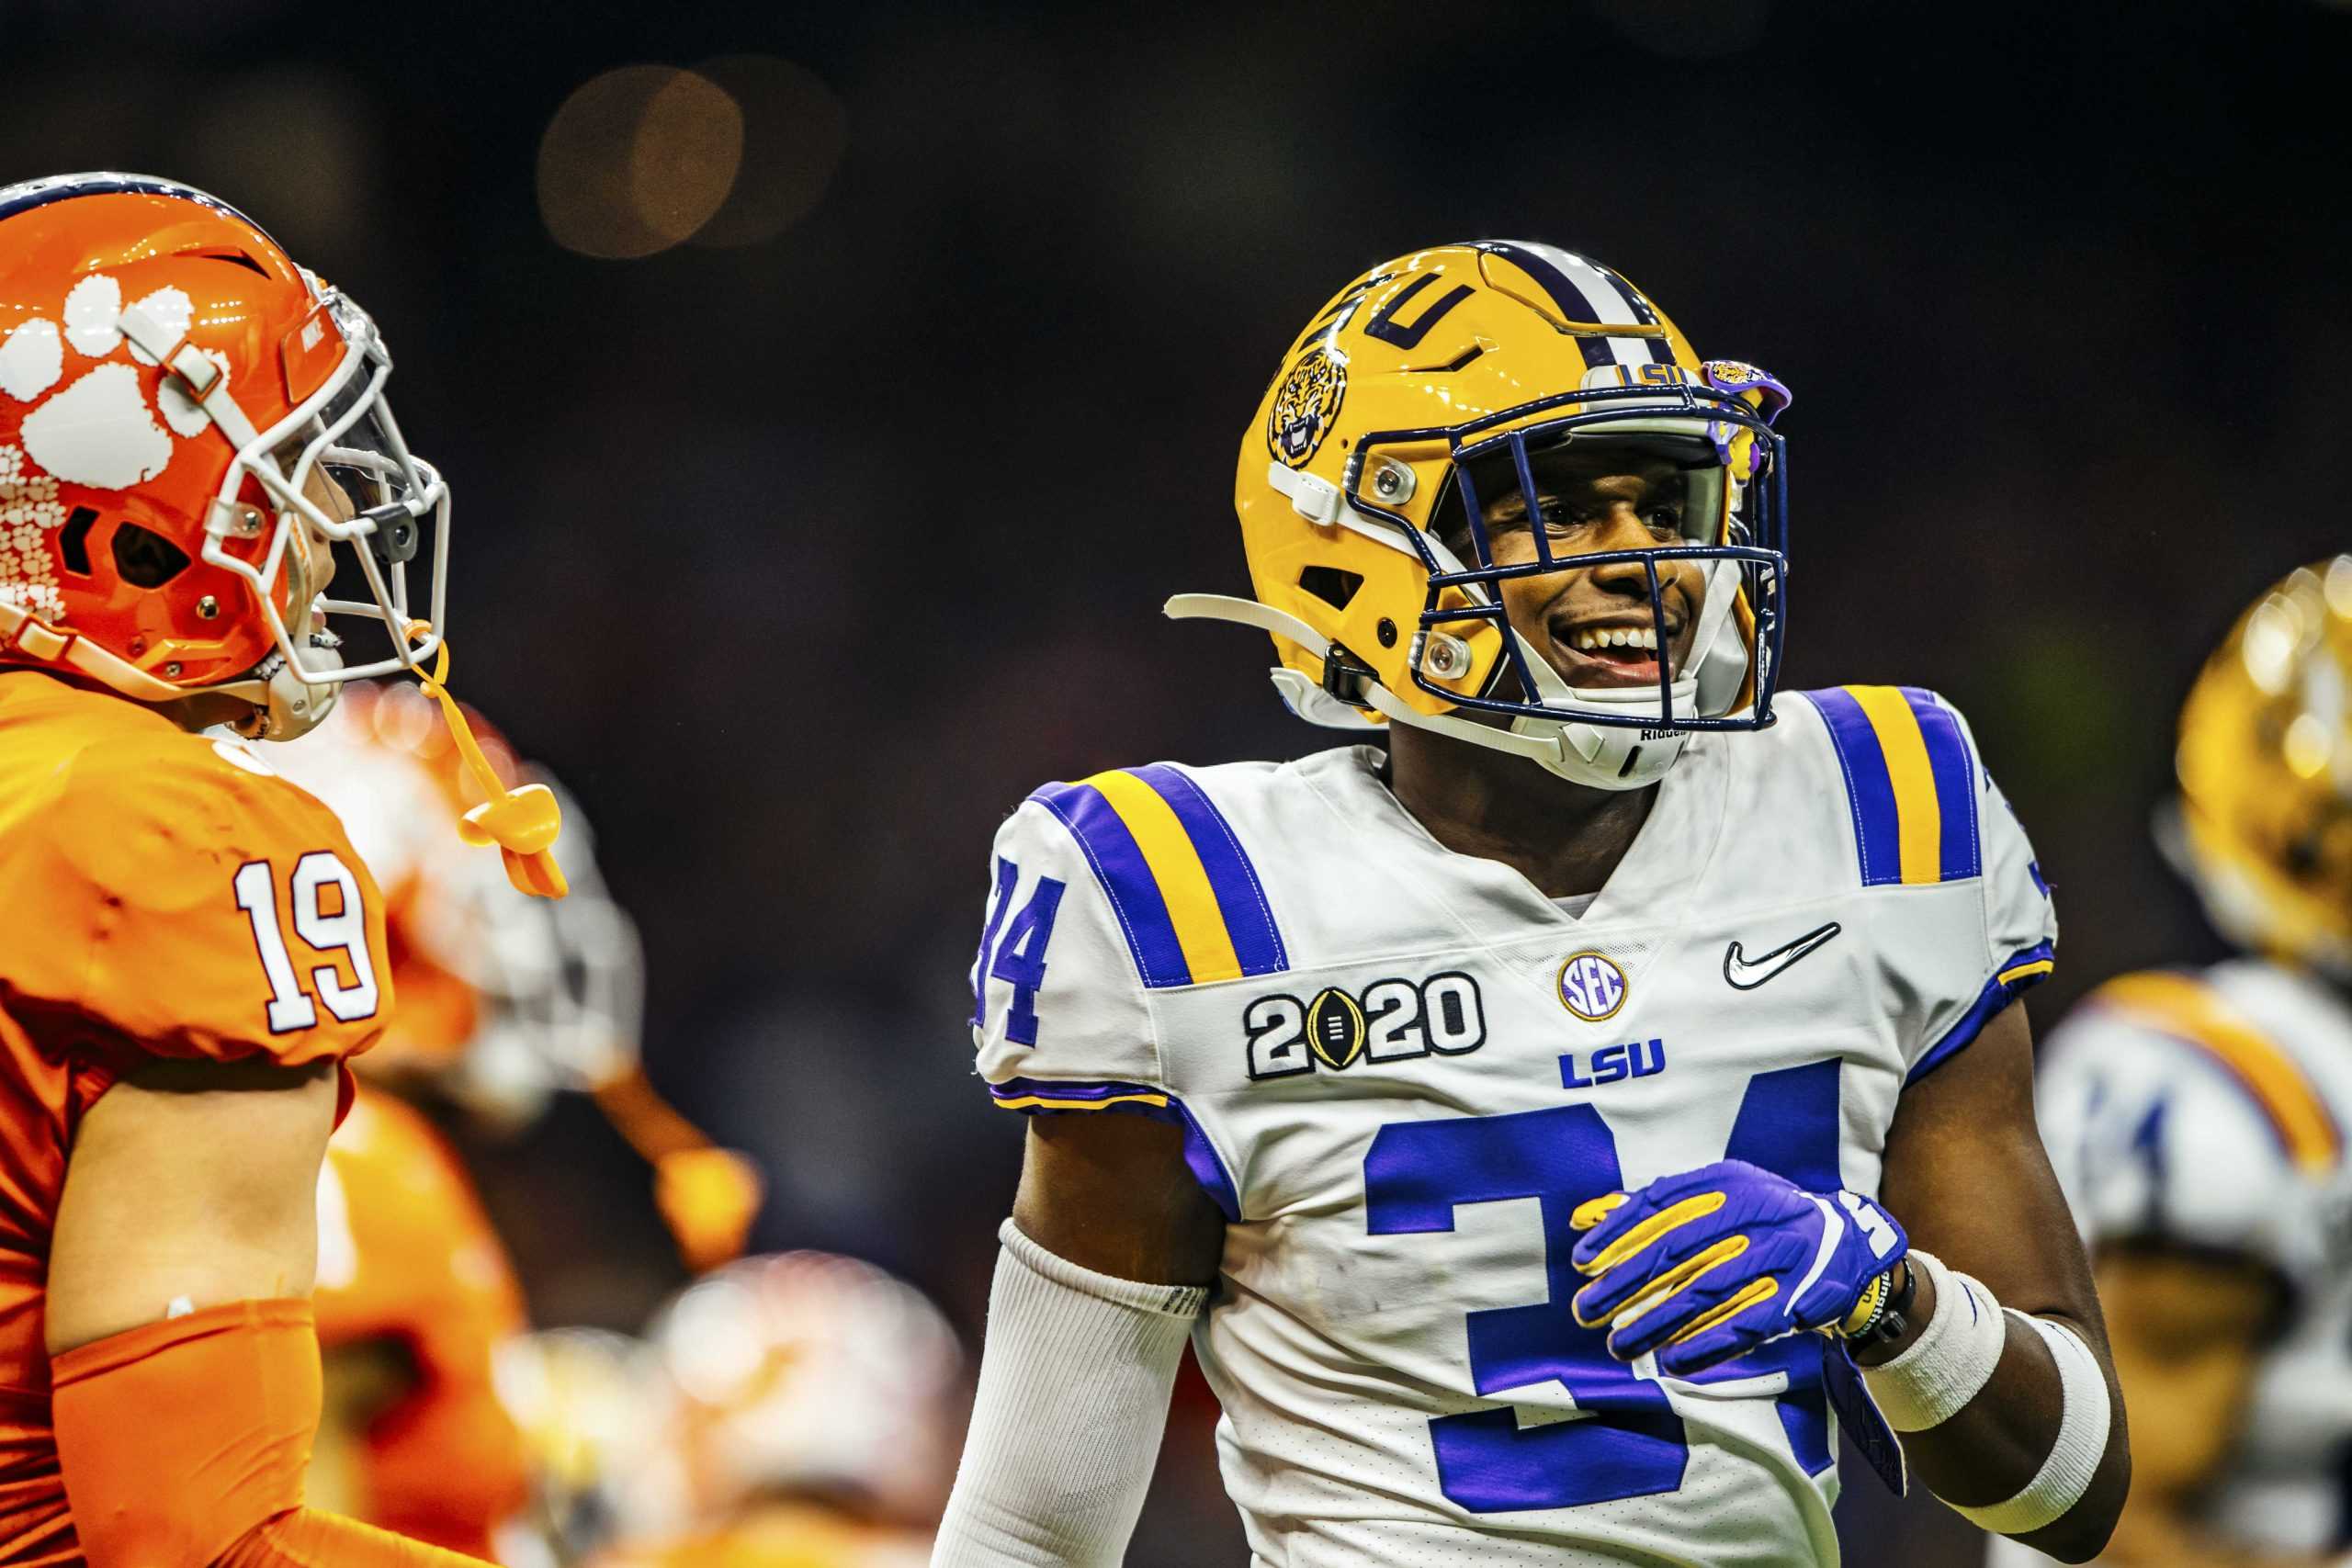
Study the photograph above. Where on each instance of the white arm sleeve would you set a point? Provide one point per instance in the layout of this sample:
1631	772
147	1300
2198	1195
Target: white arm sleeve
1073	1400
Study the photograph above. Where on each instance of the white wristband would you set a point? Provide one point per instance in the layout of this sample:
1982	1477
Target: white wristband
1950	1362
2066	1474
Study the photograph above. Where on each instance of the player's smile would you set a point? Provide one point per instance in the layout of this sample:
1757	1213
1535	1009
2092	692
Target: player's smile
1616	649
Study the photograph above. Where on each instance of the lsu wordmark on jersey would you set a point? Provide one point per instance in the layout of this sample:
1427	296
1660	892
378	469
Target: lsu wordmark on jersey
1399	1069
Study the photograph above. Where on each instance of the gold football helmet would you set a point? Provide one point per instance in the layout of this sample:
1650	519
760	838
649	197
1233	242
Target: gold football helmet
1431	386
2265	773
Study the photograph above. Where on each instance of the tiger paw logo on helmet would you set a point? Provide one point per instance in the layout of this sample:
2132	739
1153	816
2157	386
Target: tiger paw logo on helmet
98	431
1306	405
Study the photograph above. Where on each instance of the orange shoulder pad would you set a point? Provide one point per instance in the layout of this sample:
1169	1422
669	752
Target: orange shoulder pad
180	899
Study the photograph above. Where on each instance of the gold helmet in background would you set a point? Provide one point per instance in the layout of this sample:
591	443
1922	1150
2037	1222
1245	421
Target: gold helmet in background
2265	773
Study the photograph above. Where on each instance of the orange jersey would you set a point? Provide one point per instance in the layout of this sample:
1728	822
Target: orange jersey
783	1535
161	895
407	1254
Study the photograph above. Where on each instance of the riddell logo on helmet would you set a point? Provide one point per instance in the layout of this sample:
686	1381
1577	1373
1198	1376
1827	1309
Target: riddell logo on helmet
98	432
1305	406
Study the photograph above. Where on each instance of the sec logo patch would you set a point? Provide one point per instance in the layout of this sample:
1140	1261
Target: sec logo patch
1592	986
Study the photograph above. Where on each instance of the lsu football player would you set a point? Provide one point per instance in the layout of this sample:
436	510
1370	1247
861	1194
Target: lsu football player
1538	1125
2196	1119
194	447
796	1410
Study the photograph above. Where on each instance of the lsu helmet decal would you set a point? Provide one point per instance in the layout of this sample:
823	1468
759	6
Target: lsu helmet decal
2265	763
1304	404
1443	382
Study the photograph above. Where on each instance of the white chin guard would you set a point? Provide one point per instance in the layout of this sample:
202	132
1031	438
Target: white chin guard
1604	756
290	706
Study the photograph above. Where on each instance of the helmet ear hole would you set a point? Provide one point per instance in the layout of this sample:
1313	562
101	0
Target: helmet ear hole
74	541
1328	583
145	558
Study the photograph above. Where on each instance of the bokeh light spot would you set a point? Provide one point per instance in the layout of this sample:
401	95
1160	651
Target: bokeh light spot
2270	650
2337	586
637	160
2309	746
795	132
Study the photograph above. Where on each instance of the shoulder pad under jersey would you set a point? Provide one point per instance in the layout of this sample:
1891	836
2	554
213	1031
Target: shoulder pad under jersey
1925	815
177	899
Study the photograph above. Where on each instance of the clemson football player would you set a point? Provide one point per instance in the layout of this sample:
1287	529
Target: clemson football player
504	1000
1538	1125
414	1295
194	443
2197	1117
796	1411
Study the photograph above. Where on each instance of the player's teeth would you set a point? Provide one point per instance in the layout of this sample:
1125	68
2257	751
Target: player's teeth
1618	637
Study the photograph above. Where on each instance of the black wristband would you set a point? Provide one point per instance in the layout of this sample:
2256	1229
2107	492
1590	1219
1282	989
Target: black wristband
1897	1317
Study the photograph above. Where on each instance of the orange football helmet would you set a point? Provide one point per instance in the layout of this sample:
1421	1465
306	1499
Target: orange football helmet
190	425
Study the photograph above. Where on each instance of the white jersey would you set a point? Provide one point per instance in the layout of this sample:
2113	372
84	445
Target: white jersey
1399	1068
2205	1111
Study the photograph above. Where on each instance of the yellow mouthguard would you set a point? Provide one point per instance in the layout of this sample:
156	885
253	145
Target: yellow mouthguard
522	823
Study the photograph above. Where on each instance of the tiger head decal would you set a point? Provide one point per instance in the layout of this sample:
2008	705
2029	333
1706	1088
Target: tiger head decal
1305	405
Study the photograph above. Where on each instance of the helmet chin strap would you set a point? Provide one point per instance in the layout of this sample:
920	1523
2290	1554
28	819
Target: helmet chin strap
285	706
1599	756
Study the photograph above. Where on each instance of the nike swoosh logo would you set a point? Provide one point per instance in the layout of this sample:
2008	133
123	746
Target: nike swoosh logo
1745	973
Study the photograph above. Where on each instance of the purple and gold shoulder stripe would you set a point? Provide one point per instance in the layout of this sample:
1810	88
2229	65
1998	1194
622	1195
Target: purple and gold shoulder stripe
2183	1009
1910	783
1189	902
2016	975
1055	1097
1047	1094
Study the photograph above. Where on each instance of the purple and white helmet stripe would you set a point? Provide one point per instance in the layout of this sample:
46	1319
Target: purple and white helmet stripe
1584	290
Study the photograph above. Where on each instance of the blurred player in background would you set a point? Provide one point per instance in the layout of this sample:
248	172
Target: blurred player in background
2198	1119
505	1001
1506	1117
797	1410
581	1399
194	455
414	1295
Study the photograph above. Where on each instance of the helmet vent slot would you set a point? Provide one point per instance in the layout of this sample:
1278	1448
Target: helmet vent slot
234	258
74	541
1459	362
1328	583
145	558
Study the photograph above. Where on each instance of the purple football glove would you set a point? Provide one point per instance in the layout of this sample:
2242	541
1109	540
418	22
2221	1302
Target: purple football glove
1712	1263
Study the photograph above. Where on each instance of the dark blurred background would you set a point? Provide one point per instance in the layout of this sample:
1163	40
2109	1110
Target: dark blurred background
828	425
